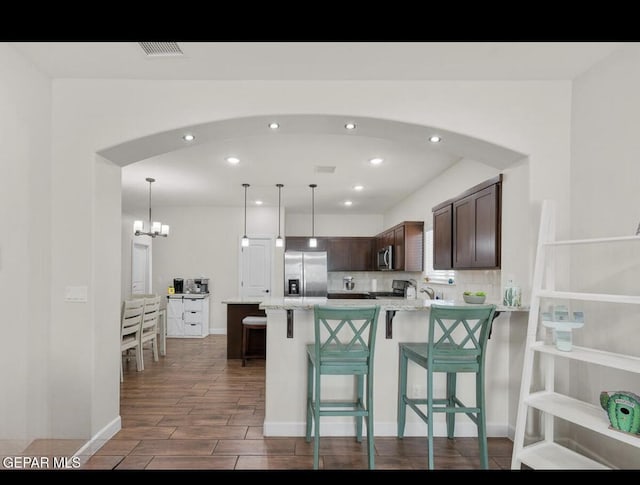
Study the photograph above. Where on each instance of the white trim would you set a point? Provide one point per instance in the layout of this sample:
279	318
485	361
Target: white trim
99	439
147	242
217	331
328	428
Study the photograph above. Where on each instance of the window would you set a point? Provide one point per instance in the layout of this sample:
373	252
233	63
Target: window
434	275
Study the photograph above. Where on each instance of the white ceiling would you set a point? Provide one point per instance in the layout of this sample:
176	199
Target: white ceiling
197	173
321	60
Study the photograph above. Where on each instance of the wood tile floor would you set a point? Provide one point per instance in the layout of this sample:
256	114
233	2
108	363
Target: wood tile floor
194	409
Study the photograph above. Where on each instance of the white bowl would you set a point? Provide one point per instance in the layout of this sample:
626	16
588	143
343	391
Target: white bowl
474	298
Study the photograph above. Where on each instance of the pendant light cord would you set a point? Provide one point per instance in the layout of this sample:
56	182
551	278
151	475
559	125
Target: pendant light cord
313	213
245	208
149	204
279	204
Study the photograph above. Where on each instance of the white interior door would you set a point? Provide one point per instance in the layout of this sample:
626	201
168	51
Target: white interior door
141	268
255	268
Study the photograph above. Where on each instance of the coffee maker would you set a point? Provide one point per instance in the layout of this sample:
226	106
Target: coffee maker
178	285
202	284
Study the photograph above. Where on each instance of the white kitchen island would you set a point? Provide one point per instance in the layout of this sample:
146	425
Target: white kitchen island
290	328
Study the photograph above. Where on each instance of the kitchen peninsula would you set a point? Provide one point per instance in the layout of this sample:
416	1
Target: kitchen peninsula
290	327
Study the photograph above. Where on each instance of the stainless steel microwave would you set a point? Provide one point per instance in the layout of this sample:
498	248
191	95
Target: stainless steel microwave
385	258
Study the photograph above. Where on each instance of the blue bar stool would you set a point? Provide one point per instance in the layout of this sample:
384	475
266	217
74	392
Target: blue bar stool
457	343
344	345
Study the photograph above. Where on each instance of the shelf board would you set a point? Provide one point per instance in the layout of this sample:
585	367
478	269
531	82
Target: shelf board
600	357
587	415
570	295
592	240
551	456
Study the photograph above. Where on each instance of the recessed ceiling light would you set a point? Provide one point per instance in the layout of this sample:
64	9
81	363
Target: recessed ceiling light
376	161
358	187
435	139
350	126
274	125
258	202
233	160
348	203
188	137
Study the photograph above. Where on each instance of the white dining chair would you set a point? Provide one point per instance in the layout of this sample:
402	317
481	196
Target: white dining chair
131	330
149	332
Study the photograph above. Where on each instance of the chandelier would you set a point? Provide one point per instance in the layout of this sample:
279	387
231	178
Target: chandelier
154	228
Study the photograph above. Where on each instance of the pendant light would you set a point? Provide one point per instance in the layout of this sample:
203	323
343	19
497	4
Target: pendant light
313	242
155	228
279	240
245	239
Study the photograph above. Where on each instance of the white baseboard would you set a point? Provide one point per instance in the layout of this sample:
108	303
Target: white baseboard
328	428
98	440
217	331
511	432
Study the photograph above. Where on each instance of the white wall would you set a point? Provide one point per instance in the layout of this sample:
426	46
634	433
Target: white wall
25	236
106	270
605	201
335	224
90	115
205	241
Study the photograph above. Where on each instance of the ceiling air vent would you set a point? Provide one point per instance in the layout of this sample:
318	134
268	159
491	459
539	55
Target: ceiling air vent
325	169
161	49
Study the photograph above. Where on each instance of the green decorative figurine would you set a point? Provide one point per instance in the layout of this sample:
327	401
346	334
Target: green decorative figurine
623	409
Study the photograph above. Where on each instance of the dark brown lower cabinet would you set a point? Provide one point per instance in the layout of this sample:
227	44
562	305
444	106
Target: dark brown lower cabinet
257	339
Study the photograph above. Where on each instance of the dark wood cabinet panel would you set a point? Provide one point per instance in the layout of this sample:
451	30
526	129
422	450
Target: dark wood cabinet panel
407	239
487	235
442	232
301	243
413	247
463	228
398	248
235	314
475	229
361	249
350	253
338	254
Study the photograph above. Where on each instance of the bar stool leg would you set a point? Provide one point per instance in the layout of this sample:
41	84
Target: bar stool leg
309	398
430	416
451	394
402	392
360	400
244	345
370	432
482	421
316	418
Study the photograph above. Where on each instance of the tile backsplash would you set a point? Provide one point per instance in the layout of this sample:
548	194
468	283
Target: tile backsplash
476	280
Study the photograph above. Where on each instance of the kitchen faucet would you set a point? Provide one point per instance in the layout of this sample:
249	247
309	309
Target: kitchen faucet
429	291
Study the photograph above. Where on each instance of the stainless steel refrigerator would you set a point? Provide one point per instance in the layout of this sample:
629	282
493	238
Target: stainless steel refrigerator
305	273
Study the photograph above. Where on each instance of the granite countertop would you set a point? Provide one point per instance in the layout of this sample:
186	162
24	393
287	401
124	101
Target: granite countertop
189	295
243	300
417	304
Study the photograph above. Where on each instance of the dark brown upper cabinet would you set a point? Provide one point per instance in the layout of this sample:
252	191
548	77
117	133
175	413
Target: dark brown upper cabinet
301	243
350	253
442	237
467	229
407	239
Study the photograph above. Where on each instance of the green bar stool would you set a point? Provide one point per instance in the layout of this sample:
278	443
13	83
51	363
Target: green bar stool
344	345
457	342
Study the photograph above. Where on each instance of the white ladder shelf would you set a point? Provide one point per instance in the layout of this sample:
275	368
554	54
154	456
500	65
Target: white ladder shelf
548	454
